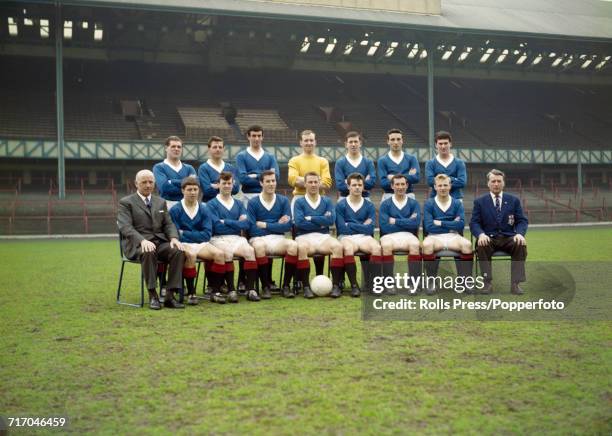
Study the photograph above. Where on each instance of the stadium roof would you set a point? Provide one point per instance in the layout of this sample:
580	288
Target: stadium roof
567	19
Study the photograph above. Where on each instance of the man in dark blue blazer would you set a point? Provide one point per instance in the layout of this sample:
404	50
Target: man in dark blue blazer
499	224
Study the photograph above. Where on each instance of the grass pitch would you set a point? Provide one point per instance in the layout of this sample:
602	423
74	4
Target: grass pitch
286	366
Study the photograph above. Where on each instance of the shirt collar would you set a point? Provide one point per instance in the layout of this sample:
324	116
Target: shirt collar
143	198
176	168
215	167
256	155
399	204
501	197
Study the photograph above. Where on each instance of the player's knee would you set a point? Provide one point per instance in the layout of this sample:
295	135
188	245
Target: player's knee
292	248
428	247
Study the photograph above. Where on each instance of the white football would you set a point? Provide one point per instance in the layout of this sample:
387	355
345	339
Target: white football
321	286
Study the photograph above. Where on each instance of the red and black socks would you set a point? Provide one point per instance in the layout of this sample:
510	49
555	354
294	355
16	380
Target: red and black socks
250	272
303	271
337	269
264	271
189	274
350	269
290	269
229	276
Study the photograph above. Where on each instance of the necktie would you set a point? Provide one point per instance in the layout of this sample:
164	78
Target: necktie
148	203
497	203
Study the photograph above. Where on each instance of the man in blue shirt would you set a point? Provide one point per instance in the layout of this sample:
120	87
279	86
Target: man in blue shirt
193	222
269	219
252	162
443	222
170	173
355	223
499	224
397	162
446	163
209	171
354	162
400	219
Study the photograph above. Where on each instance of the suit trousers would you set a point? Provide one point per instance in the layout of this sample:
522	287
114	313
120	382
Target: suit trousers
165	253
507	244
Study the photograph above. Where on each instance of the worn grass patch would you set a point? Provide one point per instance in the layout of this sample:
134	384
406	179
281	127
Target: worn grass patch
286	366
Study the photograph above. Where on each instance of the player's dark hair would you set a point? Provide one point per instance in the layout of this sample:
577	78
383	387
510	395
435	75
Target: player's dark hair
443	134
267	173
172	138
253	128
397	177
190	180
352	134
353	176
391	131
214	139
225	175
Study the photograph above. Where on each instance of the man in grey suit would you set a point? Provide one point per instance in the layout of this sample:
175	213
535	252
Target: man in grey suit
150	235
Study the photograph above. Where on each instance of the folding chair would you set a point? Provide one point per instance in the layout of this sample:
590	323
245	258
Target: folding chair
125	260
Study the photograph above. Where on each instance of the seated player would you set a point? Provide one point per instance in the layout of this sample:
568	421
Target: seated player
314	214
355	220
194	225
209	171
229	220
269	219
443	223
400	218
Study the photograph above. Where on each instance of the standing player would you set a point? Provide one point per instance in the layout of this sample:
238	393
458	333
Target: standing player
194	225
209	171
443	223
229	220
270	218
252	162
397	162
355	221
306	162
400	218
446	163
314	214
170	173
354	162
168	177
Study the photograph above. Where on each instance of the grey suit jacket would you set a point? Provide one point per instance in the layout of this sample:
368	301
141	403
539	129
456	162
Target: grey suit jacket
136	222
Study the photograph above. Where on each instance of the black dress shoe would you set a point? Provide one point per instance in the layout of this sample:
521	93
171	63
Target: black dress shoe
516	289
171	303
265	293
355	291
308	292
487	289
287	292
154	304
336	292
252	295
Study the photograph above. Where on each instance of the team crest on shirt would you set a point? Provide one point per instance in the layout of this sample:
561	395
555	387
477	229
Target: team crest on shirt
510	220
